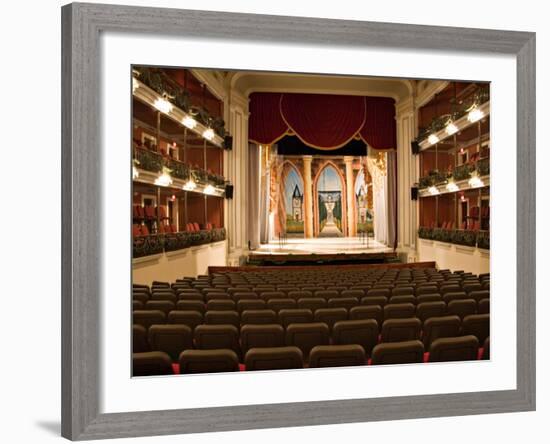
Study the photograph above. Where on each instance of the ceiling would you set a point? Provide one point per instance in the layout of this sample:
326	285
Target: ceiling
248	82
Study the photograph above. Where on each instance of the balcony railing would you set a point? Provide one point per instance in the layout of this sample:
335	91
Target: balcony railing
158	243
471	238
155	162
460	172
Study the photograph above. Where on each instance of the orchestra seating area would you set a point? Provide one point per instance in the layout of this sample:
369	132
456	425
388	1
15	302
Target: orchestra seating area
305	318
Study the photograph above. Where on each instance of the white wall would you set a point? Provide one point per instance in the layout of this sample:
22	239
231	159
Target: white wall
454	257
168	267
31	393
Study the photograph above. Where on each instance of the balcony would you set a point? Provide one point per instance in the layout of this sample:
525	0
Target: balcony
150	165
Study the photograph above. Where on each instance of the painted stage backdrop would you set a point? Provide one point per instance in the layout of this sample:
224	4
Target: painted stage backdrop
329	195
329	215
294	203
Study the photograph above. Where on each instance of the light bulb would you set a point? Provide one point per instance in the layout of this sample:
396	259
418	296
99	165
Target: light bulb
135	172
163	105
451	186
209	134
433	139
433	190
135	85
190	185
189	122
475	182
164	180
209	189
474	115
451	128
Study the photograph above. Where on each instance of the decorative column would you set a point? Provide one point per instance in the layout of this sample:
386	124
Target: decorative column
352	228
308	197
236	170
407	175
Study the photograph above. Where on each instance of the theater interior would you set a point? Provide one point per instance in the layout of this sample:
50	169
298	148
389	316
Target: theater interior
290	221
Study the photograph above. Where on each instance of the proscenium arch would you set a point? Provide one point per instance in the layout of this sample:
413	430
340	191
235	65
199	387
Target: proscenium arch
326	164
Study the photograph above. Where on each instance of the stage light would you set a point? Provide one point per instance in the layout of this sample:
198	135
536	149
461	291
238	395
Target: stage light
163	105
164	180
433	139
135	172
475	114
209	189
475	181
451	128
433	190
452	186
209	134
189	122
190	185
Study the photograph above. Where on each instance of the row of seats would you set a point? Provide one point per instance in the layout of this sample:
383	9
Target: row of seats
192	313
173	338
190	361
351	311
459	301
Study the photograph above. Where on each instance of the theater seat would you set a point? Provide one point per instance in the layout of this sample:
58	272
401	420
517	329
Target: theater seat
222	317
426	310
185	305
140	343
276	358
462	307
307	336
360	332
256	336
440	327
151	364
399	311
295	316
190	318
374	300
403	299
336	356
330	316
171	339
281	304
250	304
477	325
407	352
483	306
212	337
312	303
258	317
208	361
463	348
486	354
148	317
343	302
164	306
399	330
367	312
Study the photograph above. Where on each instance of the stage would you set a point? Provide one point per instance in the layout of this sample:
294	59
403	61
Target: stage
324	245
334	250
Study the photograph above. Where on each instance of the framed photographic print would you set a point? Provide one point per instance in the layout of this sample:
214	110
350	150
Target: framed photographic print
278	221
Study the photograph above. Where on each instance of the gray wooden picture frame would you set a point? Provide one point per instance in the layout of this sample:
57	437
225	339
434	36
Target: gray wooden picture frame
81	206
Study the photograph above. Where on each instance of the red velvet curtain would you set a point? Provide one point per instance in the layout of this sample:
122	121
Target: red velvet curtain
265	124
379	129
323	121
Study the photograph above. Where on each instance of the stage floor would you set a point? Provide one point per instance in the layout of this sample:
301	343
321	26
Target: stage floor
326	245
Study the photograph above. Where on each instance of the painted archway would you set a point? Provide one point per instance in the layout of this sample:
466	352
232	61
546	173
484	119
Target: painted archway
329	202
291	200
364	214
